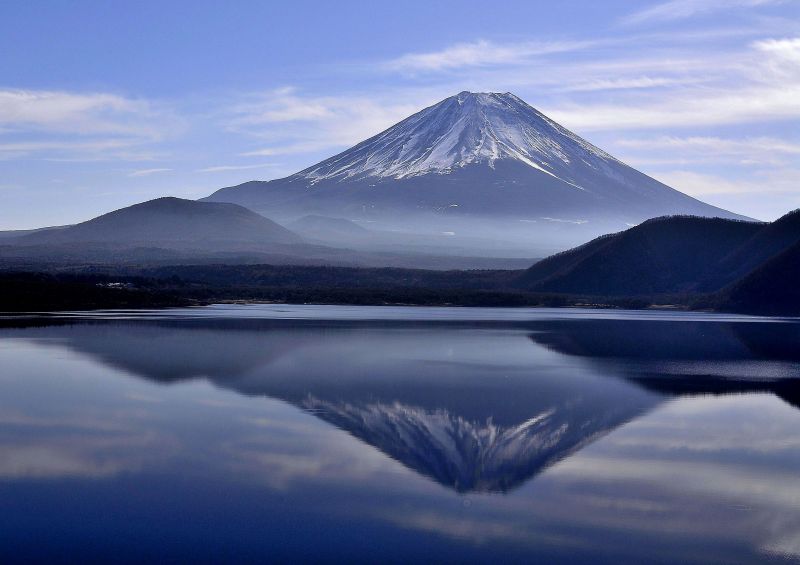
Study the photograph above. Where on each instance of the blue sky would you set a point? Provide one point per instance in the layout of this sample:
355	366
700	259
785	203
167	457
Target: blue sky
104	104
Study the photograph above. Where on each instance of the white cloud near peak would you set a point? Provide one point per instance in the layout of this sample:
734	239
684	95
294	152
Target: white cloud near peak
286	122
761	83
480	53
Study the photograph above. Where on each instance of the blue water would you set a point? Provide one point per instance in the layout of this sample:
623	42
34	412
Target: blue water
286	433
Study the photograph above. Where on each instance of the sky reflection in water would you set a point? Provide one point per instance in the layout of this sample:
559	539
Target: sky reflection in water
306	432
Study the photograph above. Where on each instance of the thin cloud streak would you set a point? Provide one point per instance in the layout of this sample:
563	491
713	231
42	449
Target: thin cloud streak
717	145
62	126
76	114
148	172
703	151
287	122
682	9
689	108
480	53
625	84
224	168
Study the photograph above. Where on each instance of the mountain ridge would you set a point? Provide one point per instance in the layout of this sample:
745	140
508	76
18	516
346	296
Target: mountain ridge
673	255
477	164
169	220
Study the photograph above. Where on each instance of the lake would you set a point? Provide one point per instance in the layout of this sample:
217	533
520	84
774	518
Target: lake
324	433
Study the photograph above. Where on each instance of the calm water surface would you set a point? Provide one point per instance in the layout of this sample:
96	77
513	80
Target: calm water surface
286	433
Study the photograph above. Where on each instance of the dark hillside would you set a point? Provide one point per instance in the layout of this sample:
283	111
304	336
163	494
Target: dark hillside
771	289
663	255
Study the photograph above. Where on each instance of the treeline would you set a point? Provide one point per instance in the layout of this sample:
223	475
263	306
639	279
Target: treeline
98	288
300	276
34	292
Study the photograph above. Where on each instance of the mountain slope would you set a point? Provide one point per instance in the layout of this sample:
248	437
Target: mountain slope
751	266
176	231
770	289
474	157
329	230
664	255
765	244
14	234
170	222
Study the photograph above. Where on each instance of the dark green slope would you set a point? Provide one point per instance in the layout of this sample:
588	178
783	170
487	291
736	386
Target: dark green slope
664	255
770	289
768	242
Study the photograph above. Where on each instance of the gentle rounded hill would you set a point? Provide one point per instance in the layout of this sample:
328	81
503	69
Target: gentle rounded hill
775	238
770	289
171	222
663	255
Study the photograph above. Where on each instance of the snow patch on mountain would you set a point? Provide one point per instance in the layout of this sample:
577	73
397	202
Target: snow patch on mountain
461	130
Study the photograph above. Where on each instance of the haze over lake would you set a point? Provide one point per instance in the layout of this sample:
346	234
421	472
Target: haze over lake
399	435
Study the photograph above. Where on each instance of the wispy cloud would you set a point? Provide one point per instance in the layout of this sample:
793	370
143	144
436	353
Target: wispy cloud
75	113
79	150
147	172
286	121
480	53
762	84
689	109
625	83
703	184
282	105
705	150
682	9
717	144
781	58
288	149
69	126
224	168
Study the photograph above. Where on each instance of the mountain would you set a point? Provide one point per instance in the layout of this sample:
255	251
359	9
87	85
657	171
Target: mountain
769	289
176	231
483	164
170	222
768	242
663	255
678	255
438	415
328	229
14	234
682	357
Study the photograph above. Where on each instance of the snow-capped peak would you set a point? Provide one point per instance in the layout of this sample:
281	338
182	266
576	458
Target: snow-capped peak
468	128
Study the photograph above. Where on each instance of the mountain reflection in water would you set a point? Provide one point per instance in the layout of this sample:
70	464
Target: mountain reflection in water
475	407
675	358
